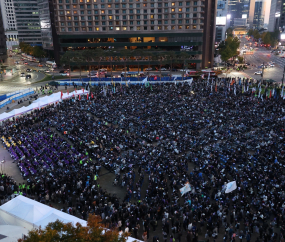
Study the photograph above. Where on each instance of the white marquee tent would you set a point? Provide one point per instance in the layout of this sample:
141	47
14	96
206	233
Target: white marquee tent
29	214
25	212
41	102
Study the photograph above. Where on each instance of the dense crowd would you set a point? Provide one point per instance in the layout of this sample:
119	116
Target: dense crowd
160	137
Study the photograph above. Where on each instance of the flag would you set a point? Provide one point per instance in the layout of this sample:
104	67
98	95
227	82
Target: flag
185	189
155	78
235	90
79	97
216	88
61	94
67	92
82	90
231	186
87	96
75	91
270	94
92	95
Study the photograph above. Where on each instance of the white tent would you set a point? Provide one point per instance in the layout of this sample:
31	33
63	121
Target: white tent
25	212
41	102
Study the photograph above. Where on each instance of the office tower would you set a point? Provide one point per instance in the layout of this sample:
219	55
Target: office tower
144	24
3	48
28	21
274	16
282	16
9	22
241	12
259	14
221	20
45	24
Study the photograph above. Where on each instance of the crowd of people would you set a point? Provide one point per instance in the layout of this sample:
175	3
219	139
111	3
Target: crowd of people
155	139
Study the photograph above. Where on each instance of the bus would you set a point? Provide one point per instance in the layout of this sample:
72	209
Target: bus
206	73
51	64
27	57
132	74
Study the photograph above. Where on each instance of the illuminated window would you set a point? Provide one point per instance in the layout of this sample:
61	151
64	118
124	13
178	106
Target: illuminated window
187	27
97	28
194	26
172	4
74	6
109	5
138	28
102	11
67	12
145	4
82	1
172	27
173	10
110	17
180	9
159	28
151	16
180	27
68	18
117	28
124	28
74	12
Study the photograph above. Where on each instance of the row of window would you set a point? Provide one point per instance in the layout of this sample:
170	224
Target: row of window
77	29
152	5
124	17
116	1
82	12
187	21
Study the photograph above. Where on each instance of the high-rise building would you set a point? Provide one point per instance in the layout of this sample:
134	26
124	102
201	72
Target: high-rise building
241	12
28	21
9	22
3	48
144	24
259	14
274	16
45	24
282	16
221	20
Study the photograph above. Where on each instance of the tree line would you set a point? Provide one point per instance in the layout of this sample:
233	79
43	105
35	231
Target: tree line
35	51
95	57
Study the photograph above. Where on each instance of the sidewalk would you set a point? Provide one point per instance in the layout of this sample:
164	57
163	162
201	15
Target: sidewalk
25	103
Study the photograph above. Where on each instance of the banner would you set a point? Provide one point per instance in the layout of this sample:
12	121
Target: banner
185	189
231	186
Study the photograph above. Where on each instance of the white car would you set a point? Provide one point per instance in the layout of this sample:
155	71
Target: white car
163	69
149	69
258	73
271	65
23	74
64	74
47	71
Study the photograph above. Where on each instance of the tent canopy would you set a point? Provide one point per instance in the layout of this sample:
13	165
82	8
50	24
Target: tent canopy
36	213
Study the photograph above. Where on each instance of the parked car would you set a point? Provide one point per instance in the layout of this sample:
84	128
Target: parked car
163	69
22	74
148	69
64	74
40	65
258	73
28	70
47	71
26	63
28	76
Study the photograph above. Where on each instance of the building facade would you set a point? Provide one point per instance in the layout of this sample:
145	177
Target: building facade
3	48
282	16
222	22
137	24
274	16
45	24
28	21
259	14
241	12
9	22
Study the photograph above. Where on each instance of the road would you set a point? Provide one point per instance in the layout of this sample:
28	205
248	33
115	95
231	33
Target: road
260	56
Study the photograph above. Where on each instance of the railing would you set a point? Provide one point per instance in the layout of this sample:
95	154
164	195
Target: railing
15	96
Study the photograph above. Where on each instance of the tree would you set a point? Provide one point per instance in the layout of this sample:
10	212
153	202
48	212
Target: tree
58	231
171	56
250	32
88	56
229	32
38	52
67	58
138	53
79	60
256	34
125	55
183	56
229	48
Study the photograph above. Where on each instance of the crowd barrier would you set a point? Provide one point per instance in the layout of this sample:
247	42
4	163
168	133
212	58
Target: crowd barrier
123	80
16	96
